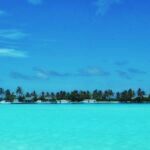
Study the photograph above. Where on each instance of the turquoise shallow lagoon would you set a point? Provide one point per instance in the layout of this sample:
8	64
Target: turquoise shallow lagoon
75	127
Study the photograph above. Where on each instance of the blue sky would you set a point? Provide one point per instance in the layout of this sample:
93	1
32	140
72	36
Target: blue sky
74	44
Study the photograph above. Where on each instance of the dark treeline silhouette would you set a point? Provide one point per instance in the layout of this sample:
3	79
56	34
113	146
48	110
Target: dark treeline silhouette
126	96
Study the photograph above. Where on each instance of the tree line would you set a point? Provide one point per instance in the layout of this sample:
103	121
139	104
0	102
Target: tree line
126	96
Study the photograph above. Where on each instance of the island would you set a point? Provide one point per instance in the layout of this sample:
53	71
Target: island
73	97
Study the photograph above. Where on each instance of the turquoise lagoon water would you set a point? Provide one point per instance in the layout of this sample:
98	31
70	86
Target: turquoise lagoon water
75	127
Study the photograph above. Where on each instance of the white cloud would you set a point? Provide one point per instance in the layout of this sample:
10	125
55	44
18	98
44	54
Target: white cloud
46	74
2	13
42	75
35	2
93	71
104	5
12	34
12	53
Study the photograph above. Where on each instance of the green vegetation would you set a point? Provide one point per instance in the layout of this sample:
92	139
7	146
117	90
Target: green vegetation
126	96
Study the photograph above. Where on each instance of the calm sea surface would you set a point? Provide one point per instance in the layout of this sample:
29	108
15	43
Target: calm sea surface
75	127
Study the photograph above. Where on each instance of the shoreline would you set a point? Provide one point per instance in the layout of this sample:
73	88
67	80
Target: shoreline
68	103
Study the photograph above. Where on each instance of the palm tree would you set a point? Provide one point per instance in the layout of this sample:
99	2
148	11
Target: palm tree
118	96
9	97
13	96
75	96
61	95
42	97
82	95
1	93
88	95
110	94
19	93
47	96
27	94
124	96
68	96
53	96
140	94
94	95
35	96
106	95
148	99
100	95
58	97
131	94
97	95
